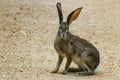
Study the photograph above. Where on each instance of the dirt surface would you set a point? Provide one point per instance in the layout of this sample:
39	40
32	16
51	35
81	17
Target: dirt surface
28	29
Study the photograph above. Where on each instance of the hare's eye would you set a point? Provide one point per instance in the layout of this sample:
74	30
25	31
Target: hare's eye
60	29
67	30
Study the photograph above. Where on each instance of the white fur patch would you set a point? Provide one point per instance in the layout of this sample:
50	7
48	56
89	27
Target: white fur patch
98	68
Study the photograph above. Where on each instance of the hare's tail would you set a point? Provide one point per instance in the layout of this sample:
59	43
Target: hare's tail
98	68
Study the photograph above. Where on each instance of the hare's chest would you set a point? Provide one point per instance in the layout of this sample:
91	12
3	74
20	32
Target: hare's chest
64	48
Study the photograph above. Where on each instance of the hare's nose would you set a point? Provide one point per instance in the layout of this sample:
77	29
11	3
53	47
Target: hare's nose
63	34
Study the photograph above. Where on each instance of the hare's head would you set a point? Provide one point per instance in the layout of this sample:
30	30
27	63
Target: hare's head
64	26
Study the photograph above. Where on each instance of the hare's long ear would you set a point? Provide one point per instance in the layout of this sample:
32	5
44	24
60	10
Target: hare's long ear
58	5
73	15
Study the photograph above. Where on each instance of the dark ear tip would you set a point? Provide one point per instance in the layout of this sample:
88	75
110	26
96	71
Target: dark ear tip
58	3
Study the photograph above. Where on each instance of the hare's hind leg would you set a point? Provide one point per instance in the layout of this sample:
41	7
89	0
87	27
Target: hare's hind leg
60	59
86	69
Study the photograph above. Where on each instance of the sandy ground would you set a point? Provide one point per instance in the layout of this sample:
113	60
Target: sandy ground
28	29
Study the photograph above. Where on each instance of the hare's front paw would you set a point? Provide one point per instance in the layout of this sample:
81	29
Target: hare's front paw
64	72
54	71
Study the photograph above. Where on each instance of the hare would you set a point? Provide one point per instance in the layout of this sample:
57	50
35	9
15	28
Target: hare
74	48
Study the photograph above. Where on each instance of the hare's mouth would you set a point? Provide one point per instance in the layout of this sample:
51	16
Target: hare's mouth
64	37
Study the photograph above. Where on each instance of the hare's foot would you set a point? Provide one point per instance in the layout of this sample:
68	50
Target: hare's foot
54	71
74	70
86	73
64	72
82	73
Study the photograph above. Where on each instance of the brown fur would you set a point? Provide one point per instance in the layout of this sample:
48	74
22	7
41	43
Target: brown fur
74	48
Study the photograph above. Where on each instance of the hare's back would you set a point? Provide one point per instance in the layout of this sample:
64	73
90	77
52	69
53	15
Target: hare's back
82	44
